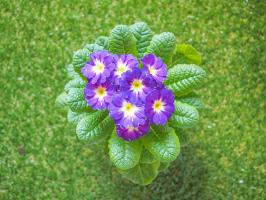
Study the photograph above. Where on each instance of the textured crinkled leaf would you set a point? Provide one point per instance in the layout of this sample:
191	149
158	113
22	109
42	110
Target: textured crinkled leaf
71	73
163	166
184	115
122	41
103	41
182	135
162	142
183	78
143	36
74	117
80	58
75	83
146	157
62	100
191	99
93	47
123	154
185	53
76	100
163	46
95	126
142	174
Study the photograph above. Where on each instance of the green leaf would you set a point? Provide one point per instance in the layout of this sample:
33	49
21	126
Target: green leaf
95	126
163	46
75	83
122	41
162	142
183	78
71	73
185	53
183	136
93	47
184	116
74	117
143	35
191	99
163	166
76	100
123	154
102	41
80	58
62	100
146	157
142	174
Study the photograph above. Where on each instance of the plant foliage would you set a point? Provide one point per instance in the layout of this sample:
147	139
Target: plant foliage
138	161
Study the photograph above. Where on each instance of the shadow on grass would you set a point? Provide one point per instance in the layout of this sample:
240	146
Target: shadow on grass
184	179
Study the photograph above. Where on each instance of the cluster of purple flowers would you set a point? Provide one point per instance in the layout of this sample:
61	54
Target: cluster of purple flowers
134	96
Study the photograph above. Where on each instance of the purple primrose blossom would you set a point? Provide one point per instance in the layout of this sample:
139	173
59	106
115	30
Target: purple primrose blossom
155	66
159	106
132	133
126	113
99	95
124	63
135	97
137	83
100	68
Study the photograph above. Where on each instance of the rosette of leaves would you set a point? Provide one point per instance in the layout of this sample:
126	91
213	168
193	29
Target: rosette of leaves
141	160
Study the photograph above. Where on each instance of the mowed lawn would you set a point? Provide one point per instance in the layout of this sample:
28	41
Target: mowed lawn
223	157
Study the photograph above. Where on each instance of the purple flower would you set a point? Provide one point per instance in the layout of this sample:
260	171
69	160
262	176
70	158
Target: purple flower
155	66
126	113
98	95
124	63
100	67
137	83
132	133
159	106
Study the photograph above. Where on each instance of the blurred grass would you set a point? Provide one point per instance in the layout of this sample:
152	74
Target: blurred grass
40	156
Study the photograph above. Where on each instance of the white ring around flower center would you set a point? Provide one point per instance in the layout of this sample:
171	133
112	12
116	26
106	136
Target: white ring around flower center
152	71
158	106
121	68
132	129
137	85
129	109
98	67
100	92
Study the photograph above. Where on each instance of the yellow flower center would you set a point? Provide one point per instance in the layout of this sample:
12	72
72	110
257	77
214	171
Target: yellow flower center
121	68
158	105
137	85
129	109
100	92
99	67
131	129
152	70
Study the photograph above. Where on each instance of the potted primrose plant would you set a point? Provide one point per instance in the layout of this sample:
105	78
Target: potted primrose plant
134	89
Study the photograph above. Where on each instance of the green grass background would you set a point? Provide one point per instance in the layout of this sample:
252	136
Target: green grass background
223	157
